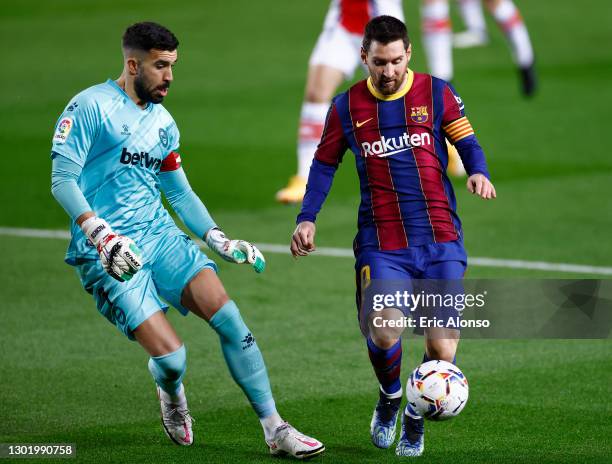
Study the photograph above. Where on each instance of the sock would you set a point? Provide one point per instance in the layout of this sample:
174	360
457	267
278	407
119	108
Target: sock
437	38
270	424
178	398
168	371
415	426
472	15
509	18
387	367
243	358
312	122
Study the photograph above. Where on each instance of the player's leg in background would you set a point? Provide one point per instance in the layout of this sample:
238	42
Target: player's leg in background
438	43
321	84
206	297
333	59
475	33
509	19
437	38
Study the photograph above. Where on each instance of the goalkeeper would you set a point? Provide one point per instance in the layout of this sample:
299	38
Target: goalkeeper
114	149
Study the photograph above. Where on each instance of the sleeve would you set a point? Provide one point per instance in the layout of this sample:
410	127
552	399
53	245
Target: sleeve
174	137
326	160
460	133
182	198
65	174
76	130
333	142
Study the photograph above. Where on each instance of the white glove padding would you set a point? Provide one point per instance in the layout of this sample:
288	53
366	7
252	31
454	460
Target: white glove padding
119	255
235	251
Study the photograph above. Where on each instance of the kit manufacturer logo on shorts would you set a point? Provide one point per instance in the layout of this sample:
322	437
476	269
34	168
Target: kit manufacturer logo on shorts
63	130
163	137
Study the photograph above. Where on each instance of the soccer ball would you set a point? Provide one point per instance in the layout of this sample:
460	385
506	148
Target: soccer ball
436	390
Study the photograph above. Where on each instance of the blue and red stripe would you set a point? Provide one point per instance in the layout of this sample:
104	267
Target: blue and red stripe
386	213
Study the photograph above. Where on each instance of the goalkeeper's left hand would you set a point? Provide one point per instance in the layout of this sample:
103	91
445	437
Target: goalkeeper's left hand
235	251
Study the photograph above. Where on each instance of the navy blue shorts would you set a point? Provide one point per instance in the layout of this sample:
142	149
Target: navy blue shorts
429	268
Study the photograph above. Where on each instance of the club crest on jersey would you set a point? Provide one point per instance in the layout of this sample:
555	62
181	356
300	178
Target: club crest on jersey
63	130
163	137
387	146
419	114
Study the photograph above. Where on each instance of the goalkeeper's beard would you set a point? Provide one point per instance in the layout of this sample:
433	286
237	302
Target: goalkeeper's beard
143	93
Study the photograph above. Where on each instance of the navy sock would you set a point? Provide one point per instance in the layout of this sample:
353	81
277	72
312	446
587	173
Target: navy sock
387	366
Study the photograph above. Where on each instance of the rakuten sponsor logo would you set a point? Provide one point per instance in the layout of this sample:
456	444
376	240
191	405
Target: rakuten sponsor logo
391	146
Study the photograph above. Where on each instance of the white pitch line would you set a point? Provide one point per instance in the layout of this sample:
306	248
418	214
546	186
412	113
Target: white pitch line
348	253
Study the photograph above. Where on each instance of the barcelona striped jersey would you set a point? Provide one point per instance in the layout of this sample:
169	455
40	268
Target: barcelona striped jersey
401	157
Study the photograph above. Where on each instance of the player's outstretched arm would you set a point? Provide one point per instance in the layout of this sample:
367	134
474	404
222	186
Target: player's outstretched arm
302	241
479	185
196	217
119	255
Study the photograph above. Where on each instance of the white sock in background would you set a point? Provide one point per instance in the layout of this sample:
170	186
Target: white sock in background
437	38
509	18
312	122
472	15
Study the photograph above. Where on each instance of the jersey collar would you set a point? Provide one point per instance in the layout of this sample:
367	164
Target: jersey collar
394	96
114	84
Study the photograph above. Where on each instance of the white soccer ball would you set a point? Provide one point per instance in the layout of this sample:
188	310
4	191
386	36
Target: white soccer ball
436	390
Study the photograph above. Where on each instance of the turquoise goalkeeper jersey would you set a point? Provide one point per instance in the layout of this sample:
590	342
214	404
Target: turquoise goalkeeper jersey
121	148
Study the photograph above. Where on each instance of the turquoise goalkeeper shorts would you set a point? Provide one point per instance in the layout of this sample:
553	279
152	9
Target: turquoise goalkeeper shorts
170	262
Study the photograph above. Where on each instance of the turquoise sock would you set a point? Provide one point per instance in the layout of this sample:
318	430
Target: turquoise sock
243	358
168	370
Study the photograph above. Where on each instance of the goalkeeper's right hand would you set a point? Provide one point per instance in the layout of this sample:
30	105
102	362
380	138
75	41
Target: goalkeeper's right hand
119	255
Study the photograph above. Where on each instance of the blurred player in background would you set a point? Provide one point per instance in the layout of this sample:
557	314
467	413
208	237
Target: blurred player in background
395	123
114	148
438	38
333	60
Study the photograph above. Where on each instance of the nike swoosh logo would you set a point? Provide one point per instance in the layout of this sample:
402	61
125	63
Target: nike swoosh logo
395	152
360	123
309	443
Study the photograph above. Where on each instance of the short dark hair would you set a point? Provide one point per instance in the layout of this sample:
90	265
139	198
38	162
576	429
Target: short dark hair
148	35
385	29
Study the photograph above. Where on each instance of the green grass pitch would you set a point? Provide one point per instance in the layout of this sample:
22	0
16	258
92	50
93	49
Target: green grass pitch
66	375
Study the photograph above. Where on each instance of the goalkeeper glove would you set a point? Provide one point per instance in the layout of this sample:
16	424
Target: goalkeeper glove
119	255
235	251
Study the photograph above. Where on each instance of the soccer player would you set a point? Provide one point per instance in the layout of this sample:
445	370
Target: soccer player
395	123
333	60
438	40
114	150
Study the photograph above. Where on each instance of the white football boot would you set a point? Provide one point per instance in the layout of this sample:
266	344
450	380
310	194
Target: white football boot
175	418
287	440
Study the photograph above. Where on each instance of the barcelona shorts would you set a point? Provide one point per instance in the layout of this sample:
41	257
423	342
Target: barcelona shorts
170	263
427	270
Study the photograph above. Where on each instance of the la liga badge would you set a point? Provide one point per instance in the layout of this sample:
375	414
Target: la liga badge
63	130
